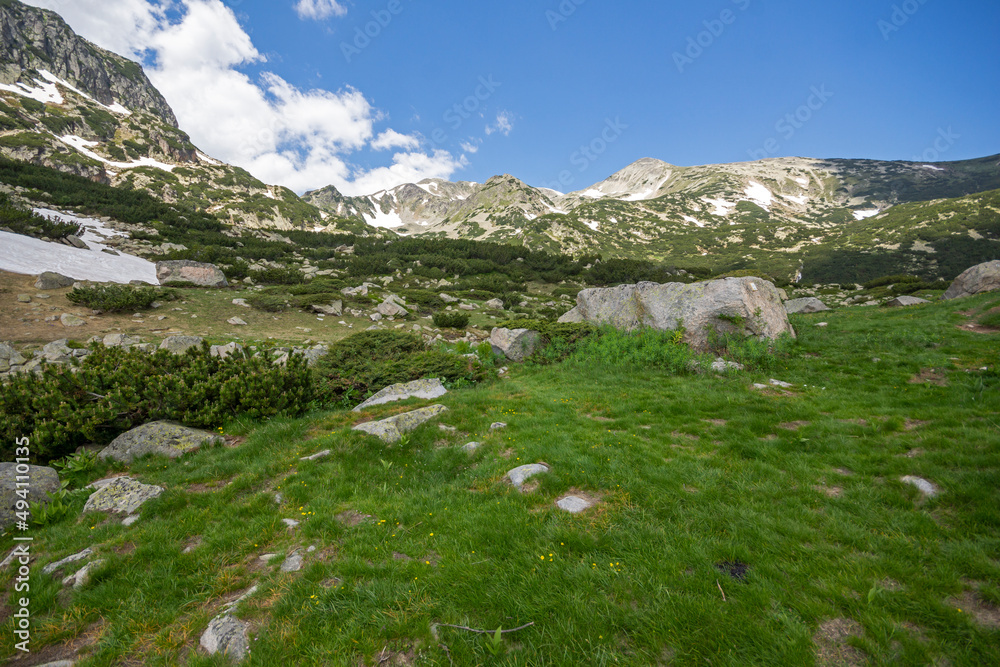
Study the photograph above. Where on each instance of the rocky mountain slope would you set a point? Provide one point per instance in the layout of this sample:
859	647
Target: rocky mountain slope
68	104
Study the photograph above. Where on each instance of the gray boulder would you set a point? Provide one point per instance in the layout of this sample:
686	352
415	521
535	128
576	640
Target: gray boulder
573	504
166	438
429	389
903	301
71	320
447	298
236	322
180	344
981	278
9	357
41	482
494	304
804	306
226	635
121	340
335	309
77	242
392	429
225	351
743	306
518	476
515	344
122	495
50	280
389	308
186	271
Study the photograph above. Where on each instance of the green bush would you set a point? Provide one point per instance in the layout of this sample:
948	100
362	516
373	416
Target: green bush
113	390
283	276
22	220
371	360
451	319
268	302
891	280
646	348
115	298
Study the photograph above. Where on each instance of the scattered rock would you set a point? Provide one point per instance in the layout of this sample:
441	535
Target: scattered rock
70	320
467	306
129	520
515	344
981	278
742	306
720	365
427	389
518	476
225	351
163	438
242	303
122	495
41	482
293	563
291	524
903	301
236	322
390	308
574	504
180	344
494	304
226	635
50	281
81	577
186	271
392	429
335	309
121	340
471	447
448	299
24	298
317	456
779	383
496	426
10	356
807	305
52	567
925	487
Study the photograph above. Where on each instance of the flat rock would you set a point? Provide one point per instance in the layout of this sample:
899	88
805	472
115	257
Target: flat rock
515	344
41	481
226	635
392	429
24	298
518	476
779	383
11	356
317	456
471	447
236	322
496	426
740	306
50	280
164	438
390	308
925	487
186	271
429	389
121	340
573	504
52	567
807	305
335	309
225	351
81	577
242	303
71	320
122	495
293	563
981	278
906	300
180	344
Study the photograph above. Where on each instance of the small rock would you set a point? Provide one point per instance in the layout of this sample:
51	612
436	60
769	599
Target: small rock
70	320
926	488
123	495
518	476
242	303
267	558
823	324
317	456
779	383
496	426
290	523
445	427
24	298
236	322
180	344
225	351
293	563
52	567
494	304
573	504
720	365
392	429
81	577
226	635
906	300
471	447
129	520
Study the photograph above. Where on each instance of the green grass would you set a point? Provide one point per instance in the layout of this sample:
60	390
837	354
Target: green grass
691	470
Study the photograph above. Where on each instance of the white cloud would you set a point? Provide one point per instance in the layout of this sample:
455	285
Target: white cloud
319	9
504	124
471	147
393	139
303	139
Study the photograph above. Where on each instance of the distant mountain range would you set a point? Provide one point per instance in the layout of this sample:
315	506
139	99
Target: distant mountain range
68	104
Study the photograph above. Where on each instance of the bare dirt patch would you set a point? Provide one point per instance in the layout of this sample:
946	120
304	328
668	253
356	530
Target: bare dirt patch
715	422
984	613
832	649
914	453
683	436
351	518
794	426
69	650
914	424
831	491
388	658
930	376
600	418
205	487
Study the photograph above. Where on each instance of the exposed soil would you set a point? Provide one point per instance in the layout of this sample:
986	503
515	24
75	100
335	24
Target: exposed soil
930	376
832	649
793	426
735	570
831	491
984	613
352	518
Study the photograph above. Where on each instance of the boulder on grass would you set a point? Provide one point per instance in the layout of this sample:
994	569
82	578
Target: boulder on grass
186	271
903	301
515	344
122	495
50	280
180	344
40	482
981	278
429	389
392	429
227	635
165	438
741	306
804	306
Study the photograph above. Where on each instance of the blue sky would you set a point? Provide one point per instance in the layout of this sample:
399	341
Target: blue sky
688	83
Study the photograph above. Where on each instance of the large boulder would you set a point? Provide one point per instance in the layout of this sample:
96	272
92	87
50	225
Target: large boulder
903	301
390	308
742	306
981	278
38	481
122	495
335	309
50	280
515	344
429	389
186	271
166	438
180	344
392	429
9	357
809	304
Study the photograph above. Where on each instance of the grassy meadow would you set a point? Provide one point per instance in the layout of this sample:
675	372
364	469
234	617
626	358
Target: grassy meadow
731	525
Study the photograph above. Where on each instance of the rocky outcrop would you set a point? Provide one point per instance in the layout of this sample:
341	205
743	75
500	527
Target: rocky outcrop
515	344
227	635
804	306
122	495
37	480
163	438
180	344
741	306
903	301
34	39
428	389
50	280
981	278
186	271
392	429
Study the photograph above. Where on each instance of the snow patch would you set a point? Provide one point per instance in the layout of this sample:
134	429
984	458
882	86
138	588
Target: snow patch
864	215
205	158
593	194
798	199
722	207
930	166
52	78
693	220
47	93
760	195
802	181
593	224
84	146
427	188
388	220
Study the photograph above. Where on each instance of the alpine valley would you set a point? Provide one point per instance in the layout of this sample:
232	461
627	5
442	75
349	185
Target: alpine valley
69	105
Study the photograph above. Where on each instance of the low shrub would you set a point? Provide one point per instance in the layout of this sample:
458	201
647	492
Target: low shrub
892	280
21	220
268	302
115	298
451	319
283	276
646	348
371	360
753	353
113	390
